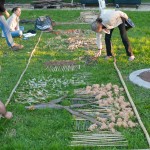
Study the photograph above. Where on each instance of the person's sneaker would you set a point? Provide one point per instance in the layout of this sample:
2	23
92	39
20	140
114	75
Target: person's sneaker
16	47
108	57
131	58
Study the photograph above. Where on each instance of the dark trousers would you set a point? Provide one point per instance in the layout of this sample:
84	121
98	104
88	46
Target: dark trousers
124	37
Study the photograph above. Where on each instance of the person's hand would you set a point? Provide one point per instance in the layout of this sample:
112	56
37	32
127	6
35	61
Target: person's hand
106	31
98	53
8	115
7	14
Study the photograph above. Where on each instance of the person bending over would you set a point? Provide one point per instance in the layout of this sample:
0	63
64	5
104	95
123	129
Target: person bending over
108	20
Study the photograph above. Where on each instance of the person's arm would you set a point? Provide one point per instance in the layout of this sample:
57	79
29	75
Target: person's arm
7	14
2	8
99	44
17	26
4	11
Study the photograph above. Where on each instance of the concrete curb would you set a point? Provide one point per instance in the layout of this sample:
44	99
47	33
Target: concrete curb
134	77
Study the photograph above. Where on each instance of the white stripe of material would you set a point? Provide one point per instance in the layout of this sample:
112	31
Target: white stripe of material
21	76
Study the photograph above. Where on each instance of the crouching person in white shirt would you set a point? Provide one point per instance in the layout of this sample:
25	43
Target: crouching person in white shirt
13	23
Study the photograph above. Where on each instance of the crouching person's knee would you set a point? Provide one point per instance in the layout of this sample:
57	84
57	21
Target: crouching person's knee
20	33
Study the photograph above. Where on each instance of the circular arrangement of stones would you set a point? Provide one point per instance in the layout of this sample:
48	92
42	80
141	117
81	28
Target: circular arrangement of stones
141	78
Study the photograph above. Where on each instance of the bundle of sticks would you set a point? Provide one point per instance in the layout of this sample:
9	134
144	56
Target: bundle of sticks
63	65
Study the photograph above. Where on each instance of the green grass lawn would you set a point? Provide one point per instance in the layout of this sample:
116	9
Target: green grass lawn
50	128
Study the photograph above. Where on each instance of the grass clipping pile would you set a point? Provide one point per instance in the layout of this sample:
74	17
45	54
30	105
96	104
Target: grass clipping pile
118	112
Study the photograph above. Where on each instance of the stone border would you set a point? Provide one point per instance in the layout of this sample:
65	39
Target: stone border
137	80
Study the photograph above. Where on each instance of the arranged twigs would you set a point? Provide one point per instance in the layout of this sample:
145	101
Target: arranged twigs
81	99
87	117
95	109
98	139
62	65
36	90
51	104
57	100
82	42
57	106
44	105
64	68
79	105
54	104
21	76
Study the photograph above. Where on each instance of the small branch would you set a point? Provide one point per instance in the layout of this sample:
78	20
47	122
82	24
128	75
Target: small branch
80	105
42	106
57	106
58	100
82	116
81	99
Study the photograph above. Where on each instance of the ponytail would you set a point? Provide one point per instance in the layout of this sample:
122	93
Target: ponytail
14	9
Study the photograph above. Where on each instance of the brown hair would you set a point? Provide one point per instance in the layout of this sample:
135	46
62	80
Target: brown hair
14	9
99	20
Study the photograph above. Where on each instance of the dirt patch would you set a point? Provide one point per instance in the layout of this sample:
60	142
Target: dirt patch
145	76
60	63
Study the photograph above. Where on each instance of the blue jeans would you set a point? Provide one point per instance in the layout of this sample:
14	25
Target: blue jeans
6	30
18	33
